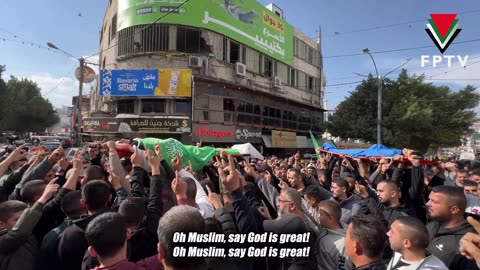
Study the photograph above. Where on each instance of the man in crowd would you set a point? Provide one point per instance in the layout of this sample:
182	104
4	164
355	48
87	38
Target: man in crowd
408	237
447	208
365	241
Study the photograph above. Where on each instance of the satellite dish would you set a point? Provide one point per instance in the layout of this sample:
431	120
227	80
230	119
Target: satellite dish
88	74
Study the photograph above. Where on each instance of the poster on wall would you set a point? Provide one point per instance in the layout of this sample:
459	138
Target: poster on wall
146	82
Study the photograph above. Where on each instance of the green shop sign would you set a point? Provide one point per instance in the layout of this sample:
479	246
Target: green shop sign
245	21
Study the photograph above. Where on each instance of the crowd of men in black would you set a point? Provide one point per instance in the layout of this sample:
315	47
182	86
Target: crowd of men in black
112	213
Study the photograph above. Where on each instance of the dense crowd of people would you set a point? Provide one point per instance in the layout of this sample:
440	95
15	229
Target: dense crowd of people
100	211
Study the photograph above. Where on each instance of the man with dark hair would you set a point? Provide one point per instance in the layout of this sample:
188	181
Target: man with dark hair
16	164
408	237
460	178
93	172
470	187
323	178
107	235
475	177
386	201
18	245
349	202
314	195
331	241
96	195
32	190
365	242
446	207
179	219
71	207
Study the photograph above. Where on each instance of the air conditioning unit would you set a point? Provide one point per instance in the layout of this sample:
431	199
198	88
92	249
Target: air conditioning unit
240	69
277	82
195	61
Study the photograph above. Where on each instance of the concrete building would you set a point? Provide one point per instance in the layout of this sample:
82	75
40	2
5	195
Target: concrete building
265	87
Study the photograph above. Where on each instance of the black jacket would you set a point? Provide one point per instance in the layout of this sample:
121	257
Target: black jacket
444	244
73	244
373	266
143	243
412	183
52	215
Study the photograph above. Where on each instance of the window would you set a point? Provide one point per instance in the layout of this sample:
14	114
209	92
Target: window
125	106
311	55
153	106
154	38
267	66
183	106
103	63
234	52
114	27
310	84
225	49
109	34
190	40
292	77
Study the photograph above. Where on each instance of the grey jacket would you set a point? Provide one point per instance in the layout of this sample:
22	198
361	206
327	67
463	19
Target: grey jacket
350	207
330	253
429	263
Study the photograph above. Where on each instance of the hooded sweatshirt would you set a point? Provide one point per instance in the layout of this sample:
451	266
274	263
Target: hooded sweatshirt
330	253
444	244
429	263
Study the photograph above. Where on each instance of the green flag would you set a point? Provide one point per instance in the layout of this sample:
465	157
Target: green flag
315	143
199	156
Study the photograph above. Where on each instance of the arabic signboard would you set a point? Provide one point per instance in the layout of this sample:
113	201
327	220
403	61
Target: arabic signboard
245	21
284	139
136	125
226	134
251	135
146	82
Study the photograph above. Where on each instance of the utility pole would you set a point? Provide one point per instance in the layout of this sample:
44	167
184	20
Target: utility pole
379	95
80	100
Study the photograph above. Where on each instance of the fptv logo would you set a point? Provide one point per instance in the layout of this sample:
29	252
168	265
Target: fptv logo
443	29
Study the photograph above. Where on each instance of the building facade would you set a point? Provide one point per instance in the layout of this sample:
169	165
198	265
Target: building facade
265	87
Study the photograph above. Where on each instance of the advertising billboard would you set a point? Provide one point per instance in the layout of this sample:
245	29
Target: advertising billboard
146	82
245	21
226	134
136	125
284	139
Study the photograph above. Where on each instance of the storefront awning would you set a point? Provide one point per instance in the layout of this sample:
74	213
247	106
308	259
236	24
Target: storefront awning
267	140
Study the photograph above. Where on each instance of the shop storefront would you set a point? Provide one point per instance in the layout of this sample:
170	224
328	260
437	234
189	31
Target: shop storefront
162	128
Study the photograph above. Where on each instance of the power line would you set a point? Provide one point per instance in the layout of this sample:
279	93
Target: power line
60	82
140	30
390	25
397	50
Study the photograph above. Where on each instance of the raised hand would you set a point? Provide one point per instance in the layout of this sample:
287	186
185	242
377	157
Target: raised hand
177	163
179	186
214	198
136	158
49	191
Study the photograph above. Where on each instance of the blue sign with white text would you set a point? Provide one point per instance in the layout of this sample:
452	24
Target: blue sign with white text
140	82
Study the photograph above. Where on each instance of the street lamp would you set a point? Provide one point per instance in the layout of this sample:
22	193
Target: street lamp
379	105
80	90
